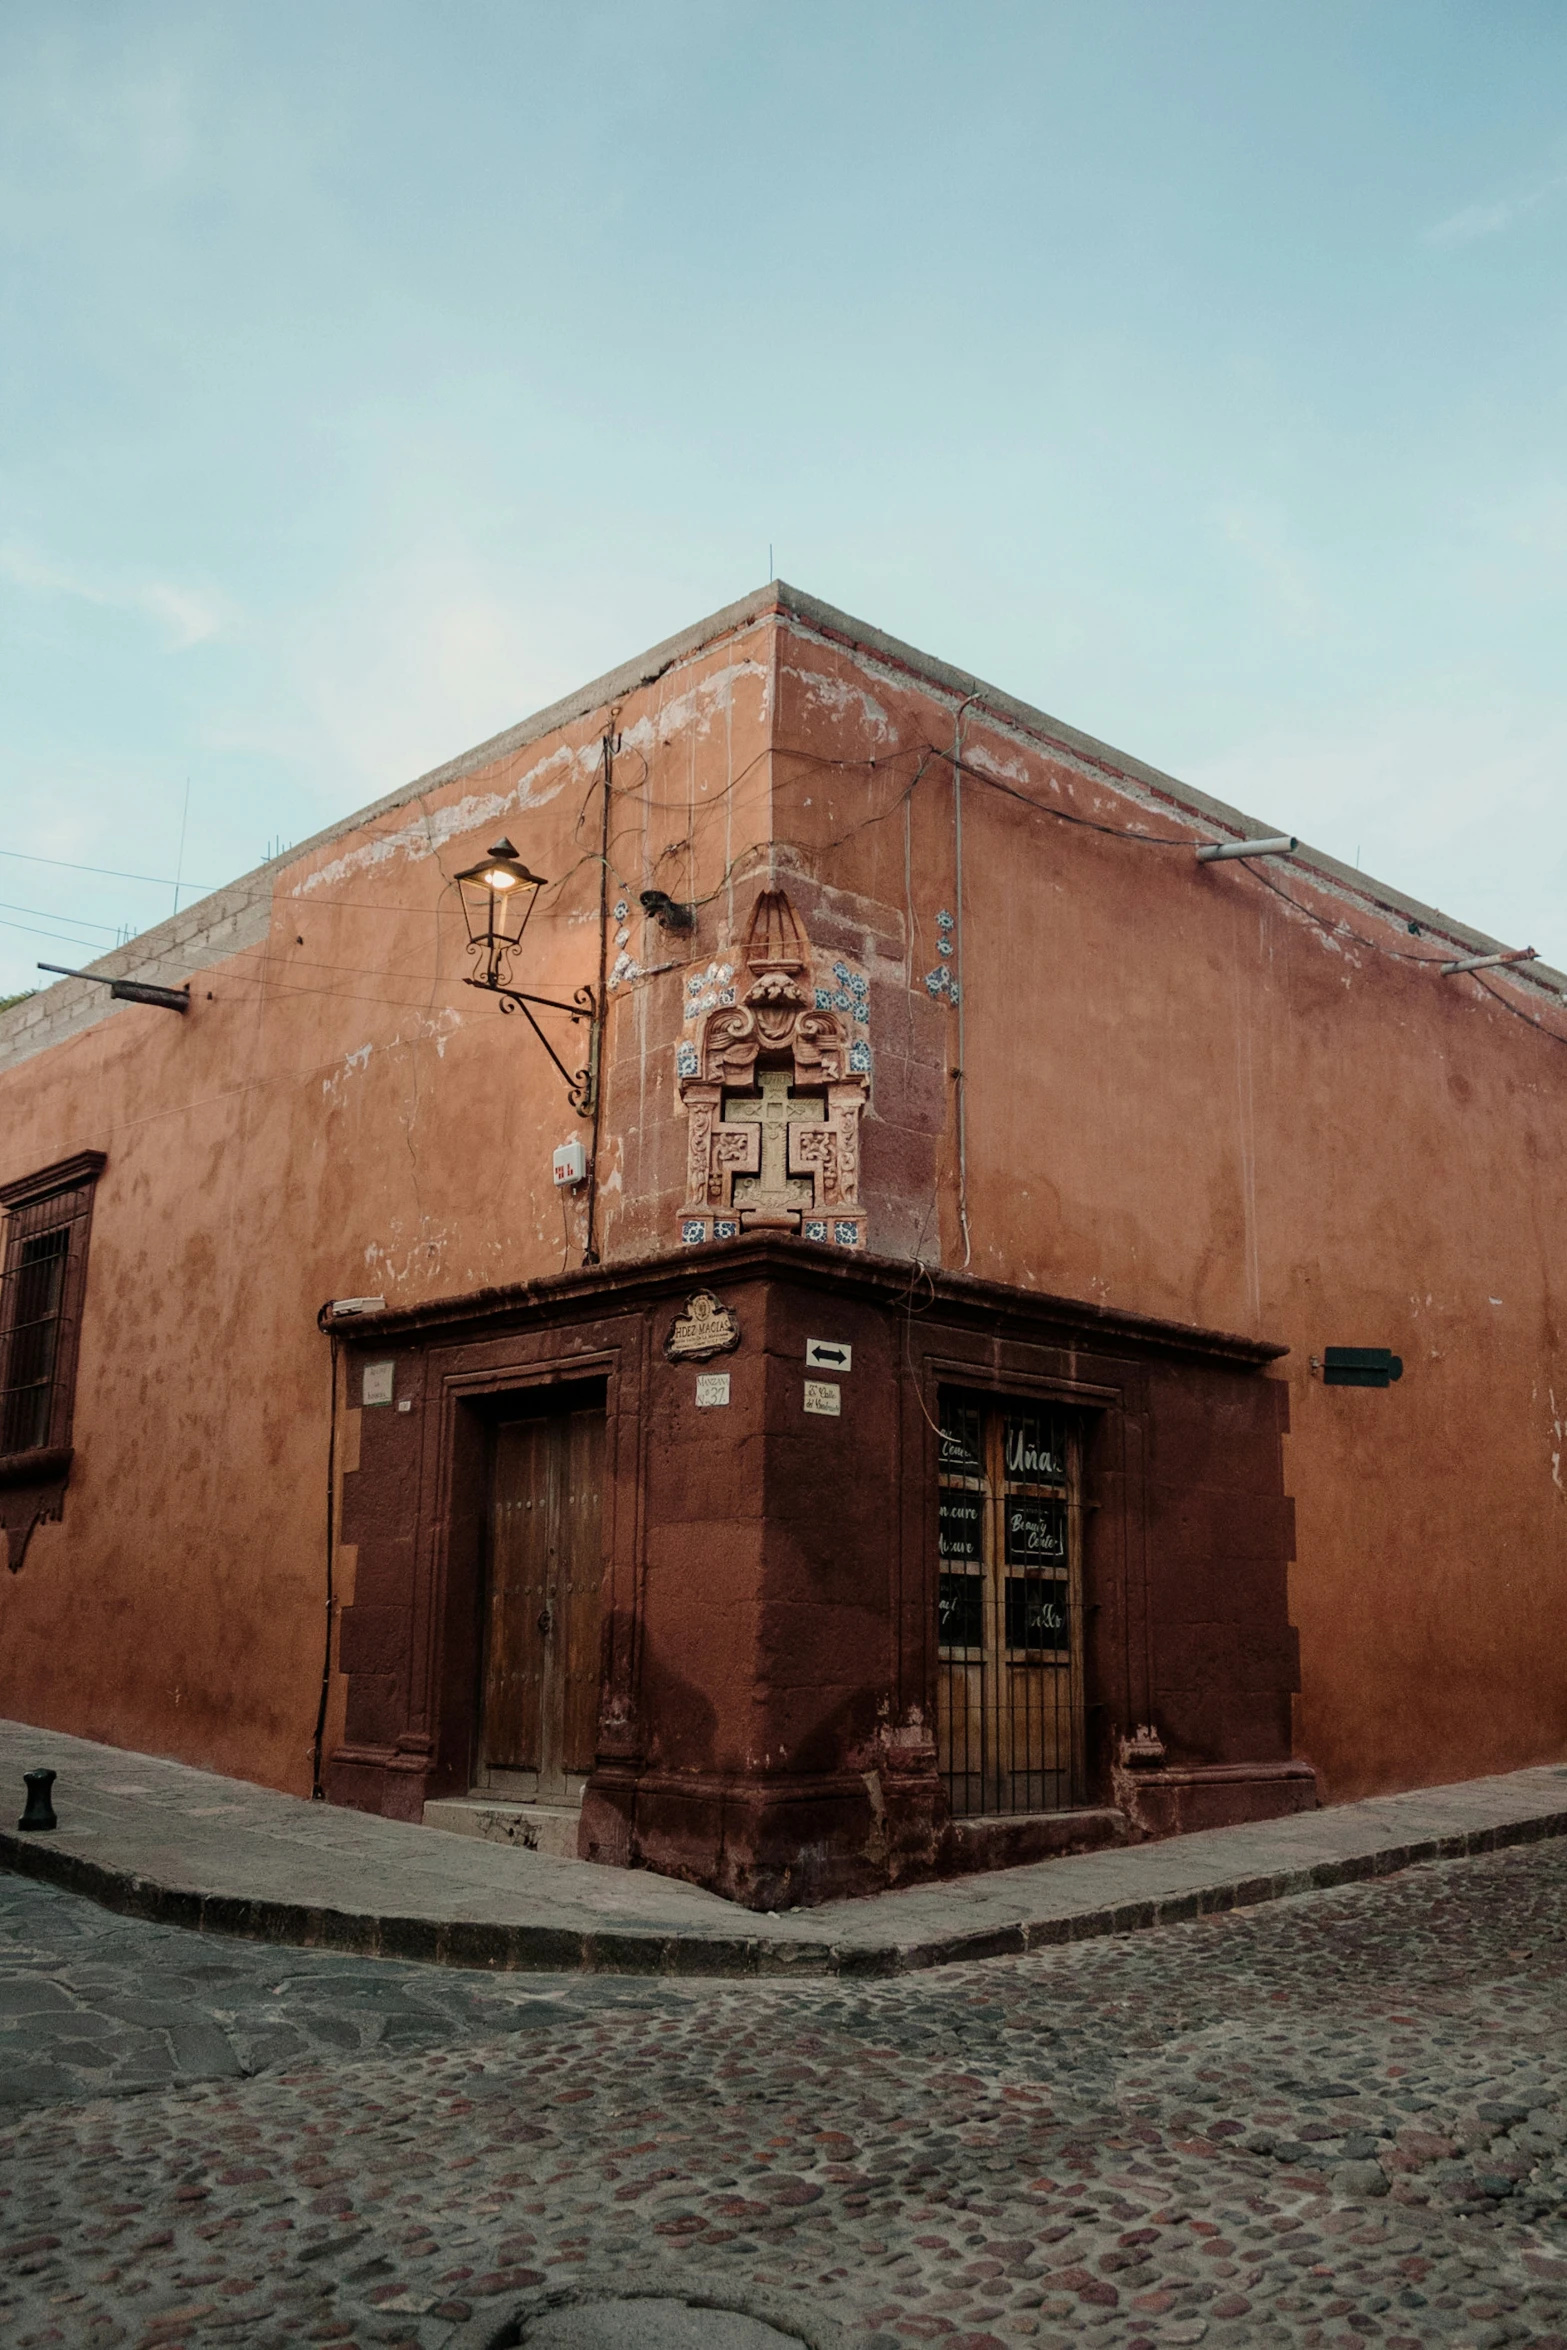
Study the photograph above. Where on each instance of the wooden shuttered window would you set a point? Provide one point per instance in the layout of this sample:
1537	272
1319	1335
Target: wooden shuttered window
43	1277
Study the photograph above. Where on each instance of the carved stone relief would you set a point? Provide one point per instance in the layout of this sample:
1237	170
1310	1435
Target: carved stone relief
774	1070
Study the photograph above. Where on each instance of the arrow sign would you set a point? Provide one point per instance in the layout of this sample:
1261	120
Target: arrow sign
825	1354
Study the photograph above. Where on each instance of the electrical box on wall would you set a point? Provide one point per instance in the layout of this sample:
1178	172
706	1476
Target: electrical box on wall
571	1163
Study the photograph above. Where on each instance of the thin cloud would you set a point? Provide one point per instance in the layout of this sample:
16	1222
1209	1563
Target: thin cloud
1263	551
1491	220
183	616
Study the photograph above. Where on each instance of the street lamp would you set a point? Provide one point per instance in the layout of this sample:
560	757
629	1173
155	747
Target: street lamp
498	895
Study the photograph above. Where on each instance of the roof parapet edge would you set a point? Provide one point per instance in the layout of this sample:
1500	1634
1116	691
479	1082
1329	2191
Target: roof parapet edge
184	940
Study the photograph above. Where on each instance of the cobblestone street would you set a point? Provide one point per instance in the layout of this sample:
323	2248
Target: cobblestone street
1335	2119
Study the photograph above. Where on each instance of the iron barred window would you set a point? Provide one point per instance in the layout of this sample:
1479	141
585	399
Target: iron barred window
42	1279
1009	1689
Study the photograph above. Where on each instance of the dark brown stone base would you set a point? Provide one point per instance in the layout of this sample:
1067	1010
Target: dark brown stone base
1172	1801
392	1785
767	1844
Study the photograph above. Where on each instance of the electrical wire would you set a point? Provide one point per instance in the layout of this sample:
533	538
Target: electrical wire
61	937
1145	840
1337	929
1405	955
108	872
923	750
1517	1010
75	921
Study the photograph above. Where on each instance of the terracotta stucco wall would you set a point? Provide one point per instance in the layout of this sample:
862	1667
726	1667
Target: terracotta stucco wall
337	1115
1185	1096
1179	1094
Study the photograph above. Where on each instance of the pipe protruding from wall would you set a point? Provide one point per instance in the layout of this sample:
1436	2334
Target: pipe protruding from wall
1277	844
1489	962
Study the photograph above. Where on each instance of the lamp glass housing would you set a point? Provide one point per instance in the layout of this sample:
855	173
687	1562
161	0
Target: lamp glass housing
498	894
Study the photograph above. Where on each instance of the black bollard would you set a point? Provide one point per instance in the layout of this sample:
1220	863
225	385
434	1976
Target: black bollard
40	1811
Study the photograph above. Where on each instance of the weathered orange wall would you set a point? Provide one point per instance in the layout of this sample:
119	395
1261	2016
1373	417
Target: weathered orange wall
1186	1097
338	1115
1180	1095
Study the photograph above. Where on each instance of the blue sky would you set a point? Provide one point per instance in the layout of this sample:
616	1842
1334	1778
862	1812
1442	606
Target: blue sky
373	373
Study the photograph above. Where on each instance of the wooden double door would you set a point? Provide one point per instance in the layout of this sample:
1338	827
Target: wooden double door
540	1695
1009	1674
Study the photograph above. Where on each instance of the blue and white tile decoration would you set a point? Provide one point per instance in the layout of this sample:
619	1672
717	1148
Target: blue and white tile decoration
813	1228
709	990
944	920
940	982
824	999
687	1060
859	1058
621	909
846	1235
726	1229
693	1229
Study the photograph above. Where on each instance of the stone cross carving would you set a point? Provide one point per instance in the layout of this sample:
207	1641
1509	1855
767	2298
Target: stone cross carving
773	1196
773	1107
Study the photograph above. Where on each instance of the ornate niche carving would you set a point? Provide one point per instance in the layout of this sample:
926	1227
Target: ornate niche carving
774	1080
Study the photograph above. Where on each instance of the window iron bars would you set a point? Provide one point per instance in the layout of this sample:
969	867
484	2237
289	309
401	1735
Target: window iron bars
1008	1608
35	1316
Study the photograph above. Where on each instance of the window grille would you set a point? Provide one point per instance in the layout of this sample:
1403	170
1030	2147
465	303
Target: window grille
41	1285
1009	1607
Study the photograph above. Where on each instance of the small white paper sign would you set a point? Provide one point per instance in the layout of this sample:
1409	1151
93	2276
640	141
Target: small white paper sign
823	1395
712	1387
377	1387
826	1354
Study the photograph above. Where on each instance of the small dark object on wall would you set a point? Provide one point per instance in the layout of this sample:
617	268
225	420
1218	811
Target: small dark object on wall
663	908
1360	1366
40	1811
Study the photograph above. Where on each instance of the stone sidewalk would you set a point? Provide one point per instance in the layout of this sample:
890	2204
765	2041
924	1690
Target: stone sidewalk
159	1840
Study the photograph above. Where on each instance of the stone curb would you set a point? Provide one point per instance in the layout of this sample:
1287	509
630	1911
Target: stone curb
477	1943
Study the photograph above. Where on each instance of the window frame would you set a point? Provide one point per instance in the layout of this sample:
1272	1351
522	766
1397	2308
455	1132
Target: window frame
68	1188
991	1689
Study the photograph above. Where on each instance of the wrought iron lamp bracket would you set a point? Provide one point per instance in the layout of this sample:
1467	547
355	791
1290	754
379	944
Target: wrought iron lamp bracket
581	1089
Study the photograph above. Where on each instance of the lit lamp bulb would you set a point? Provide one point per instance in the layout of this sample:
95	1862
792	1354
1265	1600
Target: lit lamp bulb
498	895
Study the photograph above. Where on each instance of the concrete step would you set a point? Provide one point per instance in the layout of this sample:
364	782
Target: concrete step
532	1827
1009	1840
